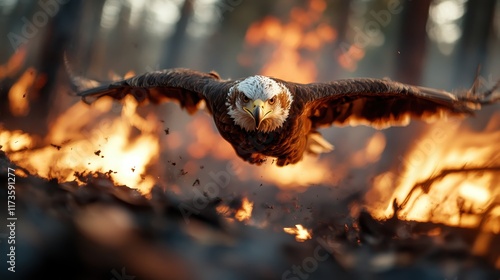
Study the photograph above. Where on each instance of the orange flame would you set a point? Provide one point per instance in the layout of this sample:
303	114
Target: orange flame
13	141
14	64
301	233
109	146
465	166
18	101
304	31
245	212
350	57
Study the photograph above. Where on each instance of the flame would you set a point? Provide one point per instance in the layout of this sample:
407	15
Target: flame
301	233
374	148
14	64
350	57
448	177
18	101
306	172
108	146
304	31
245	212
13	141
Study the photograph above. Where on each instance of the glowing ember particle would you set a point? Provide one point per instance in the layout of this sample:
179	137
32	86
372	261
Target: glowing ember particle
301	233
245	212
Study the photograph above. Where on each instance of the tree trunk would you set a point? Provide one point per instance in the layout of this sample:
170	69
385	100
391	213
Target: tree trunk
174	45
412	42
472	48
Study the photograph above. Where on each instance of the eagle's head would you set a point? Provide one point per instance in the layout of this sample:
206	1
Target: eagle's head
259	103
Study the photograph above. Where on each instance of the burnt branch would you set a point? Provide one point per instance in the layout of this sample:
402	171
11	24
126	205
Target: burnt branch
425	185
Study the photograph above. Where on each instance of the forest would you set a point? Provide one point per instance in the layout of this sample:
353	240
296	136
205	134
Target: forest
121	190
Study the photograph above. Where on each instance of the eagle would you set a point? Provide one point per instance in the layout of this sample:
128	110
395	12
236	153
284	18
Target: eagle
265	117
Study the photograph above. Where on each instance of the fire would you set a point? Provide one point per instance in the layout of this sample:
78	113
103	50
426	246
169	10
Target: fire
13	141
305	31
245	212
301	233
29	82
350	57
109	146
374	148
18	102
448	177
14	64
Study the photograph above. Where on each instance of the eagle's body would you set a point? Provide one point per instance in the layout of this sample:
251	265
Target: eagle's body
267	117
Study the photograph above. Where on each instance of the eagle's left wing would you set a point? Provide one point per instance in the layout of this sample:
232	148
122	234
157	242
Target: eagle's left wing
383	103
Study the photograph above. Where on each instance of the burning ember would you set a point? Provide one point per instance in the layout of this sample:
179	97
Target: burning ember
245	212
301	233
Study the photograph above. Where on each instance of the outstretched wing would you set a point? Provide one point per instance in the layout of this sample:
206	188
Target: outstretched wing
383	103
183	85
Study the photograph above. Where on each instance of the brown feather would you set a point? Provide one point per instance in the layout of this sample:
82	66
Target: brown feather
182	85
379	103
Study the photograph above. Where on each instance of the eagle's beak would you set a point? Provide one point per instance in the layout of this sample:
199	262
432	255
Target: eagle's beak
259	110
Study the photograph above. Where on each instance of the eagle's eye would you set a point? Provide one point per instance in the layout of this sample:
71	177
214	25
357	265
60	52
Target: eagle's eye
246	99
272	100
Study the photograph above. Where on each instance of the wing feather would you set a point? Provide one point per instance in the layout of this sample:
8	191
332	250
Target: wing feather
185	86
382	103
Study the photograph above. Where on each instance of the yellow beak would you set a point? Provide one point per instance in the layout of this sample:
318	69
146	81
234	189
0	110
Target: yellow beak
258	109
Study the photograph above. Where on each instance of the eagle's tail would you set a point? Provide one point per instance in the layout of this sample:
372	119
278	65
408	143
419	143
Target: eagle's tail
316	144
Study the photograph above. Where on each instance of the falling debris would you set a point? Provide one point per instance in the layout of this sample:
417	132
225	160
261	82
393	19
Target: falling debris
56	146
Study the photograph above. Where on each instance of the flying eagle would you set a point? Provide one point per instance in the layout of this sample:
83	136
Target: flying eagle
267	117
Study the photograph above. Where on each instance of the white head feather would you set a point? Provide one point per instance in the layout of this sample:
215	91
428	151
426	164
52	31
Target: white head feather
263	88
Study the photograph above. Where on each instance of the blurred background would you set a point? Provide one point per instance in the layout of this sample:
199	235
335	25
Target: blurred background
435	43
439	43
45	128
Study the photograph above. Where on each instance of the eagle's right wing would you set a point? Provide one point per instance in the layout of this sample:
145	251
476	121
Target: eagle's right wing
183	85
